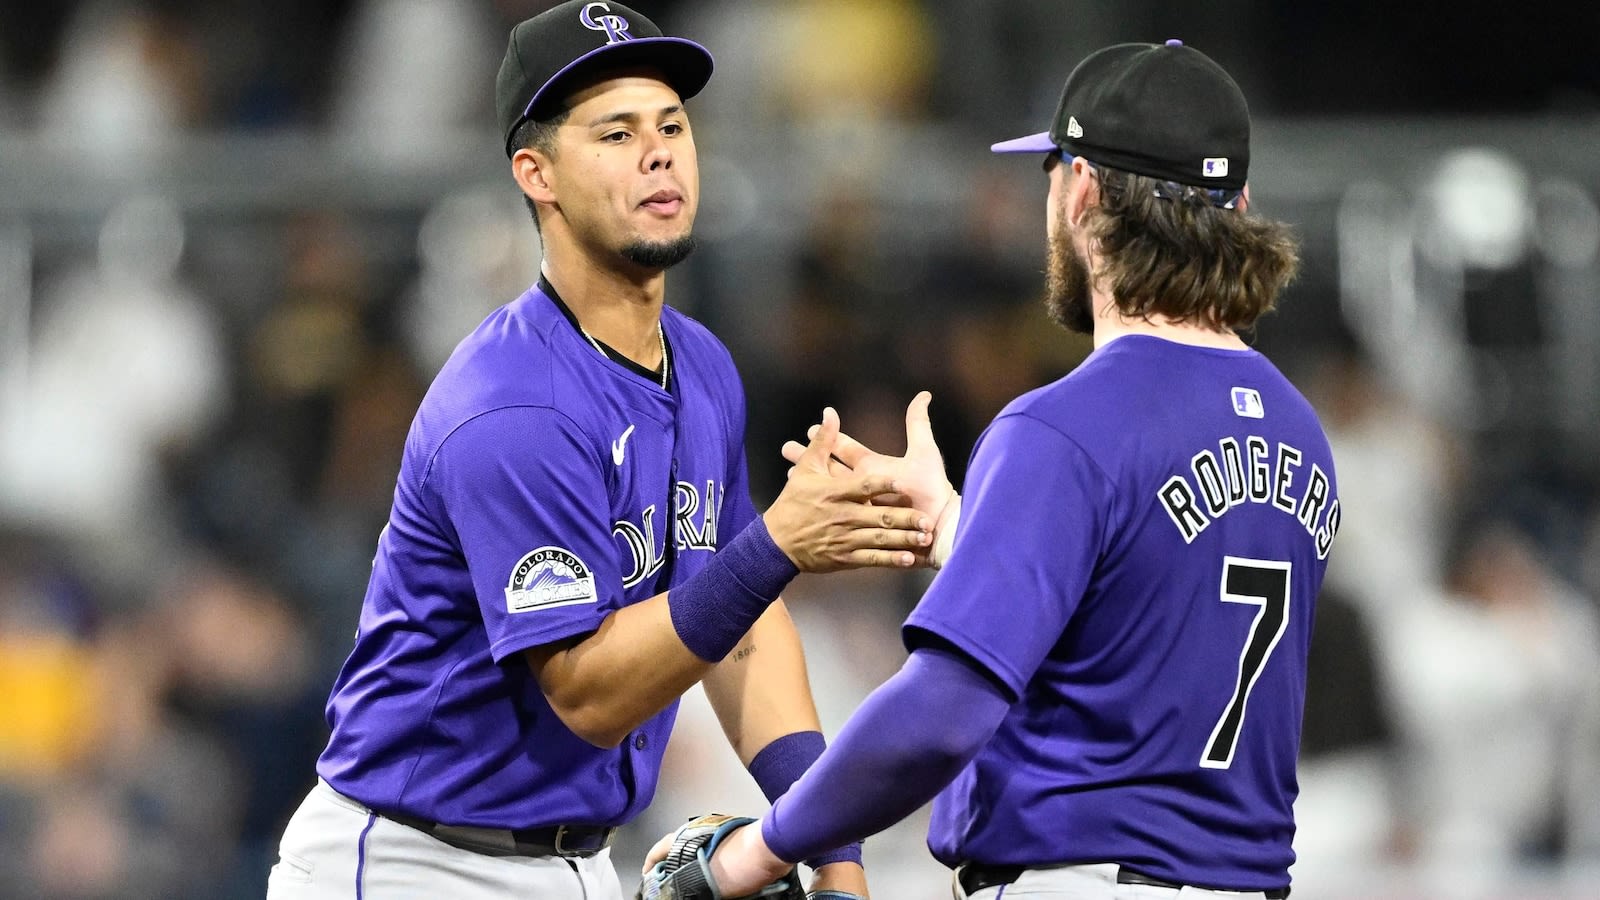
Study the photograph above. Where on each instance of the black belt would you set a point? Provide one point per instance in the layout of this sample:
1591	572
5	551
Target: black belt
974	877
556	840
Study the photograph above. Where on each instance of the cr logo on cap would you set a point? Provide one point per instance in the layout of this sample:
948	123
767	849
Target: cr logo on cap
615	26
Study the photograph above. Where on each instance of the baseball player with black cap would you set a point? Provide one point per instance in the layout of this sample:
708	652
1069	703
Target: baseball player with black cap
572	543
1104	691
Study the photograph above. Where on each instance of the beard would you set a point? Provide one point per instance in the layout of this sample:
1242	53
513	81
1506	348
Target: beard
659	254
1068	297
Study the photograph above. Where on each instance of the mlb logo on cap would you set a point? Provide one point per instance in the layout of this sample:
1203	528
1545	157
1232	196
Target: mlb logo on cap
1215	167
1247	403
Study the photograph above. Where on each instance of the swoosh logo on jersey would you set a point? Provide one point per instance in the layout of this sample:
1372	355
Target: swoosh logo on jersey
619	446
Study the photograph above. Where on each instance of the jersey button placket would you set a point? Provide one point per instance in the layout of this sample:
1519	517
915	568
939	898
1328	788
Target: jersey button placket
640	741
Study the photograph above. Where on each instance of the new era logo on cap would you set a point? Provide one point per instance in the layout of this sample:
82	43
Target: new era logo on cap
1153	110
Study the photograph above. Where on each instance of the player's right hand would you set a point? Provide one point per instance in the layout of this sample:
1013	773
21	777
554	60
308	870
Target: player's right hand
824	519
918	476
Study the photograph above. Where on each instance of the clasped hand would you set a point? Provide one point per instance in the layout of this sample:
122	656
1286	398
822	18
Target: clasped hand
827	519
916	481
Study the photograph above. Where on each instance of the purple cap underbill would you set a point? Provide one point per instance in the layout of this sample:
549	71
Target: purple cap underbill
1033	143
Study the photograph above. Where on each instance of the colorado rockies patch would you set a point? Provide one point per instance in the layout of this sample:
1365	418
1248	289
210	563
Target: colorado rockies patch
549	577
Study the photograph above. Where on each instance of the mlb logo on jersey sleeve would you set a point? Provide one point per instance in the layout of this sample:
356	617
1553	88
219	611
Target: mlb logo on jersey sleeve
1247	403
549	577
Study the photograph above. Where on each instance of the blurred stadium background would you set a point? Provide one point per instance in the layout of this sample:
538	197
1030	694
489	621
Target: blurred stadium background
238	237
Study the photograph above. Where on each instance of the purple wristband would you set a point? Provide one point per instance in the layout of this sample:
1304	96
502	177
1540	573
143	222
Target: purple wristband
713	610
847	853
780	764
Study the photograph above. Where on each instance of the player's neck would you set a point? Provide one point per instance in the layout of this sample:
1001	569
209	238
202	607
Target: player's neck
1110	325
621	310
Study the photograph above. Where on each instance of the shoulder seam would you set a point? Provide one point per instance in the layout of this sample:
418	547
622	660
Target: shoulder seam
1104	476
1104	534
427	471
543	329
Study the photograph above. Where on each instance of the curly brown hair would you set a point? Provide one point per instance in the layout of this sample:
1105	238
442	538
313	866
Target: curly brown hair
1166	250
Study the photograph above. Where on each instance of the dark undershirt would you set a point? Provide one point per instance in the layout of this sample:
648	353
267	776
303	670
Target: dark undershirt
653	375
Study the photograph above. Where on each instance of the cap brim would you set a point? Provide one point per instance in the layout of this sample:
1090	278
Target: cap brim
1033	143
685	64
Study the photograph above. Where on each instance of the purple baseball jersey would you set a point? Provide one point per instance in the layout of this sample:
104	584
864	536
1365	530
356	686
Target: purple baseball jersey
543	487
1138	561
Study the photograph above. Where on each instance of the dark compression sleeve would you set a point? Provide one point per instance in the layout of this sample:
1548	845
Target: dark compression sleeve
908	740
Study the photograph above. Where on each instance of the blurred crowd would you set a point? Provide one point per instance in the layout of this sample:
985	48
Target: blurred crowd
203	401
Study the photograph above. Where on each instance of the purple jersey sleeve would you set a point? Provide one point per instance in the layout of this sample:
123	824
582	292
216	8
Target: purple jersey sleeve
1006	593
523	489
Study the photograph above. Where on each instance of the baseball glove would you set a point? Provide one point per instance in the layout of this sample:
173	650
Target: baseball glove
686	872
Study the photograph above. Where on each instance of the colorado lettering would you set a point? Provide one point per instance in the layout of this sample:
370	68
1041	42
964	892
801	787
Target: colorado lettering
701	536
1257	473
641	541
694	527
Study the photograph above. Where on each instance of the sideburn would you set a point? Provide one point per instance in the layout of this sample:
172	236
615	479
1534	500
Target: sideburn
1069	296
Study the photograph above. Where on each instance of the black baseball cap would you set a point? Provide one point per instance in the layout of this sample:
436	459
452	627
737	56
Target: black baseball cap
556	50
1162	110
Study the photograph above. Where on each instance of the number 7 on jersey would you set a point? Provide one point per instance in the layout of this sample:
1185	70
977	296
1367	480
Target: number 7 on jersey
1263	583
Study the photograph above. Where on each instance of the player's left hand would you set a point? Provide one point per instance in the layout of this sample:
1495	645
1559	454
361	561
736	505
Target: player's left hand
740	864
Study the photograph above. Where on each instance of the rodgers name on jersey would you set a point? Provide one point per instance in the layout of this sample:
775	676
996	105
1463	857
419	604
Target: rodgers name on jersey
1257	473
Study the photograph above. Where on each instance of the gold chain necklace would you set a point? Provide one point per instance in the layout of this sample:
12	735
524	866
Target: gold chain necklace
661	334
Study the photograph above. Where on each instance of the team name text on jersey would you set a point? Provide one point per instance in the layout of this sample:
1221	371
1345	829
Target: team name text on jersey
695	516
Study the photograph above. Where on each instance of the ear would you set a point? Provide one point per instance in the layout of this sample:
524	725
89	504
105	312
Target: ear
1243	206
532	172
1083	191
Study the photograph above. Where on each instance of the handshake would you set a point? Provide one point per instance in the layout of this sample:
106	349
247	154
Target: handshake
914	483
679	867
821	521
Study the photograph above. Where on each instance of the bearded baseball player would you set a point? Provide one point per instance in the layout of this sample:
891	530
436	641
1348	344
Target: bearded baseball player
572	543
1104	691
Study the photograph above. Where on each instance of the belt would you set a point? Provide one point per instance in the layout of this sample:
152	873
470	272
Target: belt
555	840
974	877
